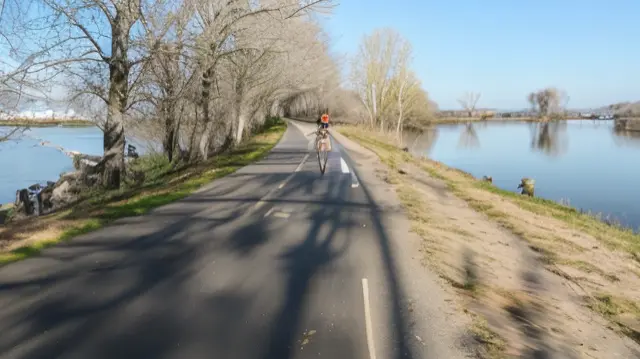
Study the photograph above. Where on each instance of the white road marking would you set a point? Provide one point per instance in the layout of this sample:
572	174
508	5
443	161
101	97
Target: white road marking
281	215
269	211
296	170
302	163
262	201
343	166
367	318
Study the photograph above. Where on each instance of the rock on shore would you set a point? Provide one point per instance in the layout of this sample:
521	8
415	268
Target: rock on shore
43	198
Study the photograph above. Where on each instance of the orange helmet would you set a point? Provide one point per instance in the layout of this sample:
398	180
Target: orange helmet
325	118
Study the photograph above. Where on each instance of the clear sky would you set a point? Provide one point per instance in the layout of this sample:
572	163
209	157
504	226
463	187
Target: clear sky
508	48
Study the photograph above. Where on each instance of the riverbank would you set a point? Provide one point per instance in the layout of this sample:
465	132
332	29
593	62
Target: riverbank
24	122
163	184
537	276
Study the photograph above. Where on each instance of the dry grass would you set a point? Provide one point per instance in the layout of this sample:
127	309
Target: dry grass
578	247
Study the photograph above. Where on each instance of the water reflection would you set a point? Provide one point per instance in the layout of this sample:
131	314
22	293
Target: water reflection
549	137
469	136
583	162
420	142
626	138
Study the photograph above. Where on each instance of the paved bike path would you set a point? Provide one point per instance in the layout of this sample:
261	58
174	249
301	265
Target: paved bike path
212	276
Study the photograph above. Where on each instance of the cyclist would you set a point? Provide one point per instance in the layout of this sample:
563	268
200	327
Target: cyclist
323	121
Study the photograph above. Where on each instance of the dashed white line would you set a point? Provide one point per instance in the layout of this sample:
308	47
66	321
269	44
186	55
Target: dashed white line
262	201
259	204
294	172
302	163
281	215
269	211
367	319
343	166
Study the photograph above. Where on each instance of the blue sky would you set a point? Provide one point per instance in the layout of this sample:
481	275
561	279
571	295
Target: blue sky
508	48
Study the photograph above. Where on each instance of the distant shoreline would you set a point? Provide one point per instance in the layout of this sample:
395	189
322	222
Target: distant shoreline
46	123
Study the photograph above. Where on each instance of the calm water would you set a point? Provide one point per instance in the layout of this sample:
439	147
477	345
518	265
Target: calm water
584	163
24	162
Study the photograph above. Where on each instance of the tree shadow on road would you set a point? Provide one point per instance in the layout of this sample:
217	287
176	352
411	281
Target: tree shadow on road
130	296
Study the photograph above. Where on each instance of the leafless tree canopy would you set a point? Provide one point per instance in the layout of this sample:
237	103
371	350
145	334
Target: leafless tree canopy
194	75
548	101
469	101
7	134
389	90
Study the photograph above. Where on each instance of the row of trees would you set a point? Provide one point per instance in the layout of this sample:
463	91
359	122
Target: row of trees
545	102
194	74
390	92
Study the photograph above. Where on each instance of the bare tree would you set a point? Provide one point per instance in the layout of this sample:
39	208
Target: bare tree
17	62
468	101
10	133
94	45
381	76
548	101
222	27
196	73
263	62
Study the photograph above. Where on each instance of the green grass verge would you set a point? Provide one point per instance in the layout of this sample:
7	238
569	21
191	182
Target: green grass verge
163	186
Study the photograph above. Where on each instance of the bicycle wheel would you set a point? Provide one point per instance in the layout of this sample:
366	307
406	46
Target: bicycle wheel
326	158
323	155
319	153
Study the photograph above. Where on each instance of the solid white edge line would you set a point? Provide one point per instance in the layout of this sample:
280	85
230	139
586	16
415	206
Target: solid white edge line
367	319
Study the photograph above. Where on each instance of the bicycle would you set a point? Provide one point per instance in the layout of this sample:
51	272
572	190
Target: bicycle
323	146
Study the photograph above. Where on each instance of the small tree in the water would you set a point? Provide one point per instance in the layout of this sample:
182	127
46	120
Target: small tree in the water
548	101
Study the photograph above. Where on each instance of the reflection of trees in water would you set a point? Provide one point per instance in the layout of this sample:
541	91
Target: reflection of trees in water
626	138
469	136
549	137
420	142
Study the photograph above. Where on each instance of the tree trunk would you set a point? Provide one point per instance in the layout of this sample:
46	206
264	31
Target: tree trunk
169	142
241	124
238	121
207	82
399	126
192	151
113	145
205	138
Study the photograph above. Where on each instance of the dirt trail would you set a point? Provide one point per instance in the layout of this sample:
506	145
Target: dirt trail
543	286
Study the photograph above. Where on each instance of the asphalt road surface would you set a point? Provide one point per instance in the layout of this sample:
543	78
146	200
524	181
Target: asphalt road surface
273	262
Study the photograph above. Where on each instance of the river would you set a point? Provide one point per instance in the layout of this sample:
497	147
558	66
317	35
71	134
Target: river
24	161
583	163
